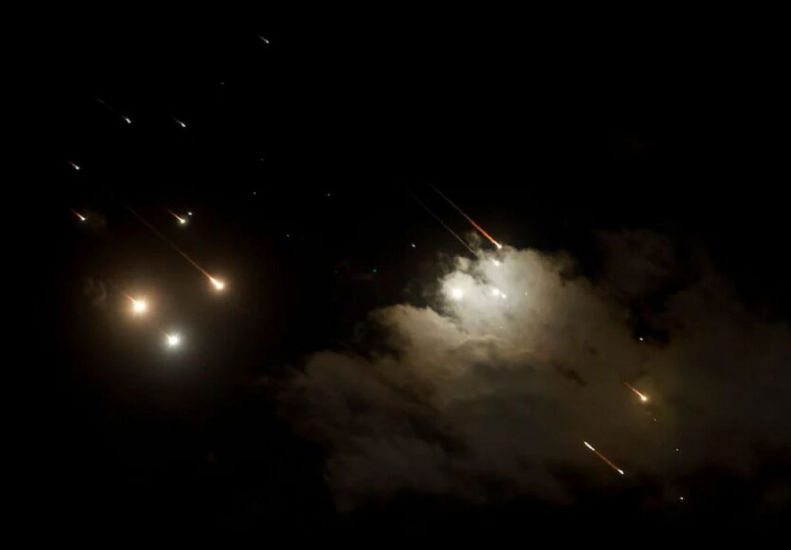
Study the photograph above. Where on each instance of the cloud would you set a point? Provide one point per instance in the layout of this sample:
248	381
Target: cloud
490	392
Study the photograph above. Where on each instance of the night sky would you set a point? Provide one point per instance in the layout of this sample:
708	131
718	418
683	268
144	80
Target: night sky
364	373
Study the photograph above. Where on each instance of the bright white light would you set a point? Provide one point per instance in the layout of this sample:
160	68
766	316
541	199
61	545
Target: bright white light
128	120
173	340
499	246
219	285
496	292
620	471
589	446
497	263
189	213
139	306
456	294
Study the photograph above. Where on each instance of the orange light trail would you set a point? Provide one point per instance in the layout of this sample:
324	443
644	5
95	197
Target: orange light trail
604	458
642	396
442	223
469	219
219	285
181	220
80	216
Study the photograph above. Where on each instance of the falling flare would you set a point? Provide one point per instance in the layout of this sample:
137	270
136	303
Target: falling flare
128	120
181	220
604	458
179	122
139	305
642	396
219	285
80	216
442	223
469	219
74	166
173	340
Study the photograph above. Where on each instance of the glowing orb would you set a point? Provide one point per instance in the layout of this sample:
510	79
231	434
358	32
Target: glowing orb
173	340
219	285
139	306
456	294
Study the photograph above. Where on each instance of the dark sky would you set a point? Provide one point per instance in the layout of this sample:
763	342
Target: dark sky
590	136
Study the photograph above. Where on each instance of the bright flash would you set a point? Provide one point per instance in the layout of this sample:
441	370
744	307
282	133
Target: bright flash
128	120
456	294
75	166
589	446
139	306
496	292
219	285
173	340
497	263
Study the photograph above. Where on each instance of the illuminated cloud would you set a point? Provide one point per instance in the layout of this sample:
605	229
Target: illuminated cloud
488	393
